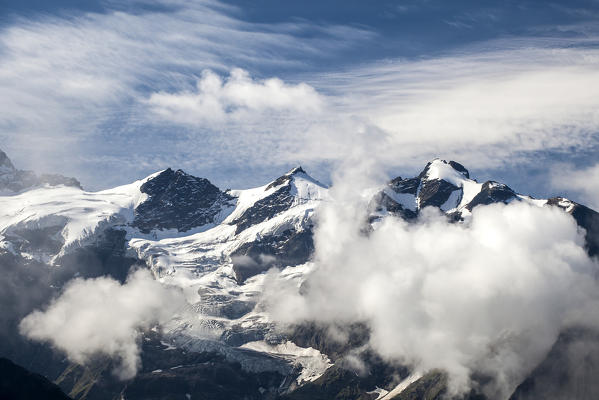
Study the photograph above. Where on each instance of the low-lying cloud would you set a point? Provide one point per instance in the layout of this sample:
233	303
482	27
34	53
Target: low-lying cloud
488	296
236	97
101	316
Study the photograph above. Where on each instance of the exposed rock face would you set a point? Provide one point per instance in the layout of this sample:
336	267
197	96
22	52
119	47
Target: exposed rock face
282	199
107	256
432	386
15	180
265	209
585	218
460	168
492	192
180	201
400	198
286	179
288	249
5	164
318	337
203	376
396	208
17	383
405	197
436	191
344	381
171	373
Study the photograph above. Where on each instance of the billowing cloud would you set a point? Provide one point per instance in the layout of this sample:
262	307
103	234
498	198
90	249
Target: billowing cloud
101	316
489	295
238	97
582	182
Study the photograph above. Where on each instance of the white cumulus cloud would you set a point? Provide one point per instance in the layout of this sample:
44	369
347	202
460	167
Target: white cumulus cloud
236	97
101	316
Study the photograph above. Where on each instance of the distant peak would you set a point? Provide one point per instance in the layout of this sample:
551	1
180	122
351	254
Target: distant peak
169	173
296	170
434	168
169	177
17	180
285	179
5	163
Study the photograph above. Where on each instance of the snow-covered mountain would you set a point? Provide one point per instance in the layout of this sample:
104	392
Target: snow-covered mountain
217	246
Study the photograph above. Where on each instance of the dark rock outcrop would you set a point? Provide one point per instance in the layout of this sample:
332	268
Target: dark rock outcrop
318	336
271	205
408	185
492	192
17	383
347	382
431	386
585	217
6	165
265	208
436	192
383	202
172	373
288	249
460	168
180	201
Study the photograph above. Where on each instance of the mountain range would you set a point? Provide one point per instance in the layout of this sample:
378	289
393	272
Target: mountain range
218	245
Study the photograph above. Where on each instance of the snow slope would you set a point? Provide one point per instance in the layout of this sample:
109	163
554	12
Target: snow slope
77	214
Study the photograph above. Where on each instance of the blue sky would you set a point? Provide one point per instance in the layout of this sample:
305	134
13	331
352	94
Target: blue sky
238	92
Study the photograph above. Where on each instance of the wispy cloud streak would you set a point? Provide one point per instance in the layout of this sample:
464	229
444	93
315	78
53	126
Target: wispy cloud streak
123	86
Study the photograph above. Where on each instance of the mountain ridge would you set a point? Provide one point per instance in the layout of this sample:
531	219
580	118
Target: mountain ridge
13	180
220	244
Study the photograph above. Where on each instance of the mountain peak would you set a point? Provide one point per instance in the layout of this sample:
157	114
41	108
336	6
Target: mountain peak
286	178
291	176
6	165
168	177
15	180
442	169
178	200
443	184
296	170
